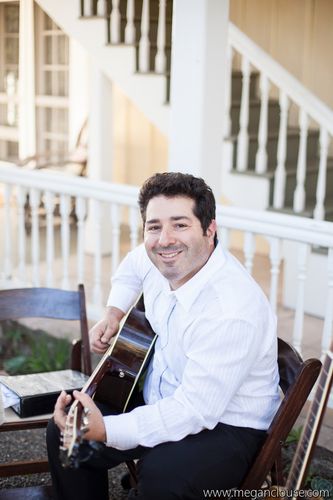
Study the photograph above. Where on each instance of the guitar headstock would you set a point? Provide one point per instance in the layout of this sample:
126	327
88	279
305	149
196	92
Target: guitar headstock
75	428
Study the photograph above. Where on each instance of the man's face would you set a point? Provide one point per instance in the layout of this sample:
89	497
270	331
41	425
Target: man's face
174	238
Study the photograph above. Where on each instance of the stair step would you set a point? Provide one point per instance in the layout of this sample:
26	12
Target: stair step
308	212
254	116
310	183
272	143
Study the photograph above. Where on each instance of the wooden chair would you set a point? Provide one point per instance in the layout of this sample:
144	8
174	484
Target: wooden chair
43	303
296	381
73	163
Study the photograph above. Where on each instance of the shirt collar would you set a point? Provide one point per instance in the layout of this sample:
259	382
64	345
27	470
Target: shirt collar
187	293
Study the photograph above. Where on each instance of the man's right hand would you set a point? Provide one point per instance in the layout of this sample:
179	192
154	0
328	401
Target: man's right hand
101	334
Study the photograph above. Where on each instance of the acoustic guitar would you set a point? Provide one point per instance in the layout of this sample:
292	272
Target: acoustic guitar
114	379
306	444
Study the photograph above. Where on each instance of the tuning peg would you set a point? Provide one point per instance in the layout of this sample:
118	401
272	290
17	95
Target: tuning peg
86	411
85	420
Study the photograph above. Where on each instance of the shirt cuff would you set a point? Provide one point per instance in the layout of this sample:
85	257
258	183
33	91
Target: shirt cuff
121	431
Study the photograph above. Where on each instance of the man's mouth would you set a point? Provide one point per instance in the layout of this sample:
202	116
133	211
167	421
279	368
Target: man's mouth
169	255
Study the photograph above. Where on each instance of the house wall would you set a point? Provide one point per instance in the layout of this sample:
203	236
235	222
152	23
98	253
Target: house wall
297	33
140	149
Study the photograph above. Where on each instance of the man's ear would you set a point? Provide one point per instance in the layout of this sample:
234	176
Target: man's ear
211	230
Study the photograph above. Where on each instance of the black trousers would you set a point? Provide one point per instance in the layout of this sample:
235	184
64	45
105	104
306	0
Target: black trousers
215	459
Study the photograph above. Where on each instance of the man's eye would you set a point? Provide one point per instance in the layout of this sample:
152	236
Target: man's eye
153	229
180	225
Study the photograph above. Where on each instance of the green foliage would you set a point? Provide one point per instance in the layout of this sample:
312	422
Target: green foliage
17	364
294	435
27	351
321	484
47	356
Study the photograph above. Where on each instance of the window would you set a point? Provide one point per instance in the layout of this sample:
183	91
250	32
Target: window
9	60
52	59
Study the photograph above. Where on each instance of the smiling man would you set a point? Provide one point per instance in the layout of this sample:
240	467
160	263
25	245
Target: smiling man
211	389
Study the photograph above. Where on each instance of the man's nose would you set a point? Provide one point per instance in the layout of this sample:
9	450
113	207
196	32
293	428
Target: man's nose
166	237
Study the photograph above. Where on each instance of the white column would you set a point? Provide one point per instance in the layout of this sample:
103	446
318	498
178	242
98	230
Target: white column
100	147
78	89
27	120
199	56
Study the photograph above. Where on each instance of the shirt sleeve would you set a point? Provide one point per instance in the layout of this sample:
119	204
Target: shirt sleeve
126	284
219	360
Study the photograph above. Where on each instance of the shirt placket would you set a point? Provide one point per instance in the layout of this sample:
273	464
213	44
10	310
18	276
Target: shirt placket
160	364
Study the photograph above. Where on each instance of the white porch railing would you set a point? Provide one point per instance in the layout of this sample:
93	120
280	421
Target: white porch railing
49	257
310	111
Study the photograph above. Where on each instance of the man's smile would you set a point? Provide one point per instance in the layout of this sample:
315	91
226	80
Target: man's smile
169	255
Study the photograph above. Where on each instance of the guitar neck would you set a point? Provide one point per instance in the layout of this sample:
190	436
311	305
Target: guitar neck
309	436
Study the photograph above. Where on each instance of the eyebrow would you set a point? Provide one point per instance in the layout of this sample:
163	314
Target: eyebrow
174	218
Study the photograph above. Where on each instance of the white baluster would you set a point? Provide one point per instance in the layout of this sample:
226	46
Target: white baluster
243	136
160	58
328	321
80	210
115	19
134	225
8	233
130	26
65	208
101	4
261	156
88	7
97	214
299	195
228	84
115	220
280	172
21	200
49	207
144	44
319	211
303	250
249	246
34	196
275	258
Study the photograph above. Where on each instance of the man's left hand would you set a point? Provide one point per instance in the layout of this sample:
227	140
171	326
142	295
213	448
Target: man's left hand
96	428
96	425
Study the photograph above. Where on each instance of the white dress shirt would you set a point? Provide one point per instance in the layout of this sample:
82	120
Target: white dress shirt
215	357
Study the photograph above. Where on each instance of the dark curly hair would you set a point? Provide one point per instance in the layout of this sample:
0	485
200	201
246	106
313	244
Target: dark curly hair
172	184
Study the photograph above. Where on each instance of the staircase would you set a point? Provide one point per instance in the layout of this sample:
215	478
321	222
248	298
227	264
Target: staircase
292	150
278	148
270	160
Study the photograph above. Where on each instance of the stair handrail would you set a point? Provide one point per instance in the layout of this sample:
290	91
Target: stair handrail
284	80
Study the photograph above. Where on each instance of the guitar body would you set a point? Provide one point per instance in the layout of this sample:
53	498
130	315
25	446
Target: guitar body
113	381
125	362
